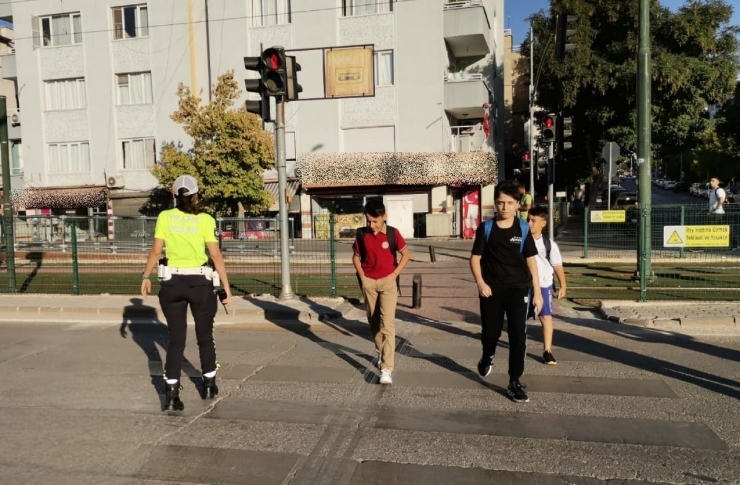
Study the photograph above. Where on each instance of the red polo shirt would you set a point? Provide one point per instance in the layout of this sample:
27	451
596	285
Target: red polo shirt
379	262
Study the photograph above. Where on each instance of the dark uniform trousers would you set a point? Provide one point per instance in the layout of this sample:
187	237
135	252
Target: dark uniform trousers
174	297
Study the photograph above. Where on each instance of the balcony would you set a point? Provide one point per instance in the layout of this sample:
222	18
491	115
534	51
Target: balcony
465	139
465	95
466	28
8	64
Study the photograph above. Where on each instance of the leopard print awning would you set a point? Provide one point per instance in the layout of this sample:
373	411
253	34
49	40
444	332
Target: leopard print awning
60	198
389	168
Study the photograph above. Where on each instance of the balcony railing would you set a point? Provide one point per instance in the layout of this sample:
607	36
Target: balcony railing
463	4
463	76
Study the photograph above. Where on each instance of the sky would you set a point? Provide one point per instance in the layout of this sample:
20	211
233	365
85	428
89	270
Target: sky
517	11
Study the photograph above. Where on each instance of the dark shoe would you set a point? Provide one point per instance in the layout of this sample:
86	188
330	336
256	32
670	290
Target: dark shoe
485	364
210	389
172	398
548	358
516	392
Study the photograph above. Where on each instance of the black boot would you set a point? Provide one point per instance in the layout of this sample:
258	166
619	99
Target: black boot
172	398
210	389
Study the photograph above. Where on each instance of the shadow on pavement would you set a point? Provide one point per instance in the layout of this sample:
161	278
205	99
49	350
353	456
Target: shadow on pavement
147	331
354	329
720	385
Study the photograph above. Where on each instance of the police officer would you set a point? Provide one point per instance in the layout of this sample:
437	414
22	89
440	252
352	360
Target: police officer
187	279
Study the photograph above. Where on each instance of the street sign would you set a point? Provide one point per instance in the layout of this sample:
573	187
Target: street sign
608	216
610	154
696	236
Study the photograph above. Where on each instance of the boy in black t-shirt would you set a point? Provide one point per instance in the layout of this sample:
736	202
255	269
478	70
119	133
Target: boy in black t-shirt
505	268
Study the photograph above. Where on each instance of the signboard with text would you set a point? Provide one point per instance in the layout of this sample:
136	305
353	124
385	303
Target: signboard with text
696	236
608	216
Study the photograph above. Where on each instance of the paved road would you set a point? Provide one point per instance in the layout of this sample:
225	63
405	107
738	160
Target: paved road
300	404
664	197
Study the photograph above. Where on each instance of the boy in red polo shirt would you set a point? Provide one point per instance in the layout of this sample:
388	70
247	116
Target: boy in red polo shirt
375	261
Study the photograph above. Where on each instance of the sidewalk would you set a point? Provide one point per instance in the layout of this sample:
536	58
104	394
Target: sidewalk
671	315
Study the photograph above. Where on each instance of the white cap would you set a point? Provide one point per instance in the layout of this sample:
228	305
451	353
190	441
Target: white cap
185	182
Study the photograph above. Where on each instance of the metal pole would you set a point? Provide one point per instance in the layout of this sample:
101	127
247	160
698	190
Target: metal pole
7	207
332	257
531	112
609	184
682	251
286	292
550	191
644	70
585	232
75	264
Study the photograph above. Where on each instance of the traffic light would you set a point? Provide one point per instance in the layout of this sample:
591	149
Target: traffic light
547	129
563	33
274	76
259	107
541	161
564	132
526	160
292	68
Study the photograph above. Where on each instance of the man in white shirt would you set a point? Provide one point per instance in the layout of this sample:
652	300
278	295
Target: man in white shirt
549	262
717	197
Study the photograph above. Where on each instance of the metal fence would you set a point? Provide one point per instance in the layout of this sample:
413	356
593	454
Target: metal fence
98	255
698	273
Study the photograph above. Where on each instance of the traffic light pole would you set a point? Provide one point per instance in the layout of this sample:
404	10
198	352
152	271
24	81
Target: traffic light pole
286	292
643	147
7	207
531	112
550	191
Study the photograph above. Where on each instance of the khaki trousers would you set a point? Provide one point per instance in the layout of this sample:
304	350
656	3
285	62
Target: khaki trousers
381	297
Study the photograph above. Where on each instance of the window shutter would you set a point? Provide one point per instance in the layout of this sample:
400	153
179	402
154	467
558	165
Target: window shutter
36	28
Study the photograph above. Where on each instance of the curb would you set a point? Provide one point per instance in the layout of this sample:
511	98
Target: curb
724	322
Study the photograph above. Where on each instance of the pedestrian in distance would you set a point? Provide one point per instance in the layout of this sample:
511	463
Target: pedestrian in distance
378	270
717	197
525	202
549	262
187	279
503	262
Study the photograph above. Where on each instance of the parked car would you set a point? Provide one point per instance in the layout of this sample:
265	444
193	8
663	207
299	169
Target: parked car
695	189
681	187
669	185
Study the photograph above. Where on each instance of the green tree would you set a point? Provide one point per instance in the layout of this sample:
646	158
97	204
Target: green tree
719	152
695	64
230	150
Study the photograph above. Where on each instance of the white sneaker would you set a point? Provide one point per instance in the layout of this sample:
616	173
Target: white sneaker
385	377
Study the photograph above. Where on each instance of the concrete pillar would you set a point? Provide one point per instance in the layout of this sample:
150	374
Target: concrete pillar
487	203
306	218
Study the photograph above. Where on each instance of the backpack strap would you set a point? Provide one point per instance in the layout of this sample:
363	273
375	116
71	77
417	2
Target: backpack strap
524	225
548	247
360	236
487	227
390	233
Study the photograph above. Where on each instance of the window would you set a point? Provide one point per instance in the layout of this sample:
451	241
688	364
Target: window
134	88
69	157
16	153
131	21
383	68
65	94
138	154
270	12
58	30
350	8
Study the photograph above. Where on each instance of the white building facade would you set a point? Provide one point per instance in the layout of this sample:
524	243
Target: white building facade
96	83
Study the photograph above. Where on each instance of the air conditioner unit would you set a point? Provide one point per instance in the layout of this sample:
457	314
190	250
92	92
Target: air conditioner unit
15	118
114	181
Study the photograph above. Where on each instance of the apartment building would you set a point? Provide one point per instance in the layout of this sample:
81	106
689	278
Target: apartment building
96	83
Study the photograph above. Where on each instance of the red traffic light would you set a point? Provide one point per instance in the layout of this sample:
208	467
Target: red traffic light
273	59
548	122
274	62
526	157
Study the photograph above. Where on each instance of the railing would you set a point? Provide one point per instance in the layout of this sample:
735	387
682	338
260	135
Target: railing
463	4
463	76
109	259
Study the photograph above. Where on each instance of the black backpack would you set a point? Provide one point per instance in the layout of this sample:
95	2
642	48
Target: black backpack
390	233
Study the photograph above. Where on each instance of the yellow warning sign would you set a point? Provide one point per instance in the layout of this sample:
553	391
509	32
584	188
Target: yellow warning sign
608	216
675	238
696	236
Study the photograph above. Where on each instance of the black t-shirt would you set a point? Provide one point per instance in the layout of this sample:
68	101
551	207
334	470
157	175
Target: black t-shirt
502	264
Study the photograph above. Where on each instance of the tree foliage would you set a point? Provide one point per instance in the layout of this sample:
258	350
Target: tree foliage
694	67
229	154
